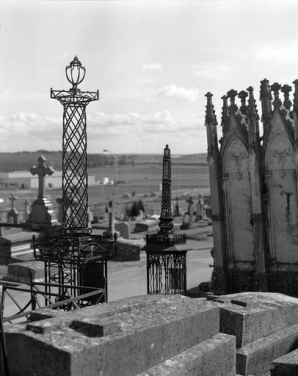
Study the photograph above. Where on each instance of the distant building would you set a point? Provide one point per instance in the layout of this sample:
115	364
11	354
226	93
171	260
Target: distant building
25	180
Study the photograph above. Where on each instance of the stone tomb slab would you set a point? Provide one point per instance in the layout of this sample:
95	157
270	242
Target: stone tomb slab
253	315
124	338
256	357
286	365
212	357
23	272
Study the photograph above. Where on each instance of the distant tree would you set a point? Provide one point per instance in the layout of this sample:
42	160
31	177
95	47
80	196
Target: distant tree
134	211
141	206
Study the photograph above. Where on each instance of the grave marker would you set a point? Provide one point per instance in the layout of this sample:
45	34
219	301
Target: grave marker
41	209
12	215
26	209
200	209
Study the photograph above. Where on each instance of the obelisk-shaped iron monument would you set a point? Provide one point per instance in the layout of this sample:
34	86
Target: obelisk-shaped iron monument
166	252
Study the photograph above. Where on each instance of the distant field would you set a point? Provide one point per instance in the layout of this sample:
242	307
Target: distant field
188	172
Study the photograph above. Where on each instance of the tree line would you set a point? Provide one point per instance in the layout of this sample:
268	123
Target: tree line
24	160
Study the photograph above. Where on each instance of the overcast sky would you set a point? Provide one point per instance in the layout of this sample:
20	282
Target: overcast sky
152	61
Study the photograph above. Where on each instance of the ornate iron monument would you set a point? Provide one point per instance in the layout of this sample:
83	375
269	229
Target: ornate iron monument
74	148
166	252
75	259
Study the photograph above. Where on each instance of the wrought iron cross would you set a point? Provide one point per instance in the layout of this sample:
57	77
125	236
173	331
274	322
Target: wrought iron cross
41	170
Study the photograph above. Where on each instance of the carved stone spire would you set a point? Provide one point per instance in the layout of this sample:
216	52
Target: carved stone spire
252	120
286	90
266	98
296	96
275	88
225	114
232	95
211	125
242	95
295	111
252	107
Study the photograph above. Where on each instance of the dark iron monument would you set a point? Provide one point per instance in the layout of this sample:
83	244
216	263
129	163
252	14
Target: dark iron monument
166	252
75	259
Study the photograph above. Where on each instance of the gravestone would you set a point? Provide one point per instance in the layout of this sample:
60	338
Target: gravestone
200	209
177	208
90	217
186	221
26	210
188	216
124	229
190	209
41	209
60	209
12	215
110	232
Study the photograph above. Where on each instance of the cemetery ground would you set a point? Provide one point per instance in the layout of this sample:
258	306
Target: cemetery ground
141	181
128	279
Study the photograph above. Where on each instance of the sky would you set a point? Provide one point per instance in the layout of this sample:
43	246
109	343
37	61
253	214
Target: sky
152	62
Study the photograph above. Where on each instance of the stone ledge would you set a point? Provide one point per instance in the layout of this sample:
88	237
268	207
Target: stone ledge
145	331
255	358
251	316
286	365
212	357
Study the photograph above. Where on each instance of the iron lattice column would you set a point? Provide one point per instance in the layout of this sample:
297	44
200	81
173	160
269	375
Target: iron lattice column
75	259
166	252
74	148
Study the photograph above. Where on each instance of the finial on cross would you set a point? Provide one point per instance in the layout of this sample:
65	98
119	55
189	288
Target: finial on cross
12	198
41	170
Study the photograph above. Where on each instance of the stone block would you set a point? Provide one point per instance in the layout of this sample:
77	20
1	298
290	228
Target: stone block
23	272
13	245
124	229
120	338
146	225
128	250
212	357
250	316
256	357
286	365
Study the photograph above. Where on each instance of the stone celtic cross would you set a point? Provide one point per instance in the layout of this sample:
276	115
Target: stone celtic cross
41	170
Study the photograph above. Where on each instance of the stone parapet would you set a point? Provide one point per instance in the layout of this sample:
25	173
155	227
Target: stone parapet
161	335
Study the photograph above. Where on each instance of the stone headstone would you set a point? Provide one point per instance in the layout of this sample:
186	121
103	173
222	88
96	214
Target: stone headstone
111	229
41	209
124	229
177	208
186	221
190	208
12	215
90	217
26	210
200	209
